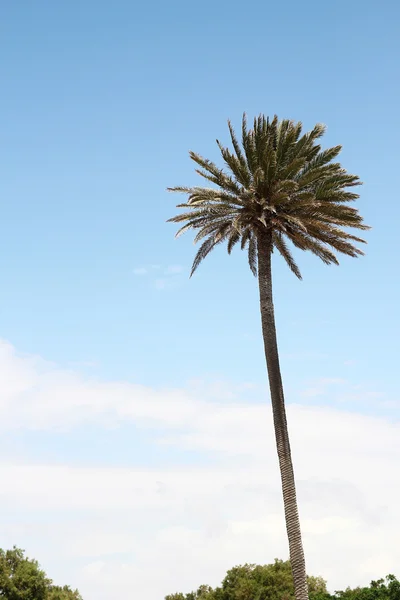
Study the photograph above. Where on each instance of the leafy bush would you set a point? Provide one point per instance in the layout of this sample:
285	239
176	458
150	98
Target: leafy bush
22	579
275	582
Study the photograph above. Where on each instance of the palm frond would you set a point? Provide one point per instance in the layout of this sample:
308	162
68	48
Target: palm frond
205	249
305	242
276	179
234	238
209	228
252	255
239	171
249	147
212	173
246	235
283	249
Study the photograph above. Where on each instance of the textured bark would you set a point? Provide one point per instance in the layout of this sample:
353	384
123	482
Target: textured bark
279	413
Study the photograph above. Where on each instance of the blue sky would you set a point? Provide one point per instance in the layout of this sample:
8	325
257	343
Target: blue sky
101	103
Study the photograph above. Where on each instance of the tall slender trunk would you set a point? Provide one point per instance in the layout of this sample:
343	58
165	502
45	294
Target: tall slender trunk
279	413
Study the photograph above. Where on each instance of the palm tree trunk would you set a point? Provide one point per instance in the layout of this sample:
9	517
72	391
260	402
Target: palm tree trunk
279	413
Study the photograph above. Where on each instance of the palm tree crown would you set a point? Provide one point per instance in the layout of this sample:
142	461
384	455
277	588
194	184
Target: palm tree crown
277	181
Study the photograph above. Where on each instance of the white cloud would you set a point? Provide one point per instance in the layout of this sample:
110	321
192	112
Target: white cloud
170	275
140	271
319	387
105	528
173	269
161	284
170	279
350	363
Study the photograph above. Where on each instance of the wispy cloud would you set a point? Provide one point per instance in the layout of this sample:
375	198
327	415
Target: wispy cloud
224	510
344	393
161	284
350	363
170	275
320	386
173	270
305	356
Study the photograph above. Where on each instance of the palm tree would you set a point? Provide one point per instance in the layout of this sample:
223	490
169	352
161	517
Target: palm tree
279	186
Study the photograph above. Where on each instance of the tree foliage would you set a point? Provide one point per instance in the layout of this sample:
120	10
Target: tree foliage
22	578
275	582
279	180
